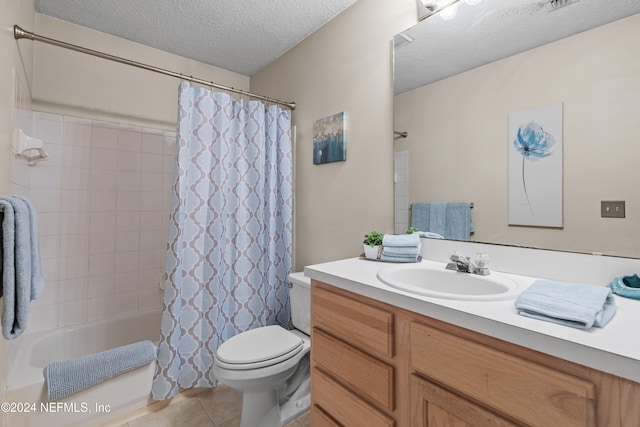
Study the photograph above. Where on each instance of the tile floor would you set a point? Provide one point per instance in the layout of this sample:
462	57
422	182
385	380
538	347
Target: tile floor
219	407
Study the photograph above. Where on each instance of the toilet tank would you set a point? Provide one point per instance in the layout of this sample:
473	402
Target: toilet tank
300	298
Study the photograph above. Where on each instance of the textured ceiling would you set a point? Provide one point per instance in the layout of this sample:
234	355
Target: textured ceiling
492	30
238	35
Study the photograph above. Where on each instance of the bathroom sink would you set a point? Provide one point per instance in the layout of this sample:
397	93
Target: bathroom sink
437	282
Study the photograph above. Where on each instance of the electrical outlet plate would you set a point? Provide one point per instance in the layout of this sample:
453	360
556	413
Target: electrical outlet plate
612	209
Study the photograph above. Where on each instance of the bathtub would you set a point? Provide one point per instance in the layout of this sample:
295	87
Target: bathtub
30	353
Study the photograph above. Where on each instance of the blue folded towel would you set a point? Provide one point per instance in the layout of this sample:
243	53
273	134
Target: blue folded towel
19	263
401	248
626	286
403	240
571	304
396	258
70	376
400	251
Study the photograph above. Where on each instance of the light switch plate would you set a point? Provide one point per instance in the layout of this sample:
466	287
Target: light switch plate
612	209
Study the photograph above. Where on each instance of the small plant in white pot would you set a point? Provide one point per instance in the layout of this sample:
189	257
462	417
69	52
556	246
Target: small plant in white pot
373	245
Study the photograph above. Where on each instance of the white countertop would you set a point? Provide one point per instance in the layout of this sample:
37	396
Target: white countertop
614	349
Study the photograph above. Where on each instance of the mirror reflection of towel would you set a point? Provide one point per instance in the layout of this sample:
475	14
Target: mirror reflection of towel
451	220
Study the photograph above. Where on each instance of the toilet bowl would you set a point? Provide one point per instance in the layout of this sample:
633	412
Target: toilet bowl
271	365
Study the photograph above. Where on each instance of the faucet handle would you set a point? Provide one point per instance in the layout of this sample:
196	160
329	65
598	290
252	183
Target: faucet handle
480	263
480	259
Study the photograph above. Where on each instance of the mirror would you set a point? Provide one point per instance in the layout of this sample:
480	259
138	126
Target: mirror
456	80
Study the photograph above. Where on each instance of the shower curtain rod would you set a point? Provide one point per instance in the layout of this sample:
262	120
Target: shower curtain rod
20	33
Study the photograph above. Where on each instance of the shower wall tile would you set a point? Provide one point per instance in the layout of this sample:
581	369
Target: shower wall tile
129	141
102	198
125	303
152	142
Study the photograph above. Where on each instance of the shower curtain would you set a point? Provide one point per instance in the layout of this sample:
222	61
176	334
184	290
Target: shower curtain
230	232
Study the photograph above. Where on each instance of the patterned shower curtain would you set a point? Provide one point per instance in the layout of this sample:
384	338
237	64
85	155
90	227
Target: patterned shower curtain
230	232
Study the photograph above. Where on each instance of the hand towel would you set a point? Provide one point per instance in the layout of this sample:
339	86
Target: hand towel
438	218
17	272
571	304
37	281
71	376
458	223
420	215
626	286
401	240
452	220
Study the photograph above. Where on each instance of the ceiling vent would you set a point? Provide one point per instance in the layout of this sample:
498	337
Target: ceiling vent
401	40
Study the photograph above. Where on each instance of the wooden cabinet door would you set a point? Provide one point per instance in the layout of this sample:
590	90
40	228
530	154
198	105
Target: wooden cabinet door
433	406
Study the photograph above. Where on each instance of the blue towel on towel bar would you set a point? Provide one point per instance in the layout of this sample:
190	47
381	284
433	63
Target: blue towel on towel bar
71	376
571	304
19	263
450	220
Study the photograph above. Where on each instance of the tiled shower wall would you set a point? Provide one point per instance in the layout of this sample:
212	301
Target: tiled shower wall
103	200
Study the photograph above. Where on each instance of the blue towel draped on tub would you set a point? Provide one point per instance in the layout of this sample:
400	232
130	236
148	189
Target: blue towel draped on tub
19	262
571	304
71	376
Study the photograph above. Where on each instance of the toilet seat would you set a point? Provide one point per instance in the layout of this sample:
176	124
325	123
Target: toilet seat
258	348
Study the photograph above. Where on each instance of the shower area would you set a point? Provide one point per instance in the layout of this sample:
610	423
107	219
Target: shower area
103	197
103	200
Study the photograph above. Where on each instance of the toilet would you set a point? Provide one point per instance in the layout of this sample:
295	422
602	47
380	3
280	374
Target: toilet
271	365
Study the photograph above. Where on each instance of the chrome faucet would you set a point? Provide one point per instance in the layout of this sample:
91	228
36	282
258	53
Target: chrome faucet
464	264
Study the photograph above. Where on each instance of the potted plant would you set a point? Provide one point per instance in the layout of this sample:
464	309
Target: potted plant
372	244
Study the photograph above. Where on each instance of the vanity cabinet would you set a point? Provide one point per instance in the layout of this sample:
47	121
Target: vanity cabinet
352	361
374	364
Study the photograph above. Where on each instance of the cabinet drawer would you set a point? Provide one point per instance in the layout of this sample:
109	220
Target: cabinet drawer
343	406
363	373
434	406
319	418
525	391
368	327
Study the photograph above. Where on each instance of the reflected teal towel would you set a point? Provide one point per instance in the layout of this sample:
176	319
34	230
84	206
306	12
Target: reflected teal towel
450	220
420	216
627	286
71	376
458	221
571	304
19	263
429	235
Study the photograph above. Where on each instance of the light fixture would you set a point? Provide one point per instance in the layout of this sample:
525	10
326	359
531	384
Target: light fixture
472	2
436	5
427	8
449	12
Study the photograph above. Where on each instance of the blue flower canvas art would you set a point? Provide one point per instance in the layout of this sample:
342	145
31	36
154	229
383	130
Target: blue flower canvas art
535	166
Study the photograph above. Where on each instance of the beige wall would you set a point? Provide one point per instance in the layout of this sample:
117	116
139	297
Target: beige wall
345	66
77	84
458	138
15	61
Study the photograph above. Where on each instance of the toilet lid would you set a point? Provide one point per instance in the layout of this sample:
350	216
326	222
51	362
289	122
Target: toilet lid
259	347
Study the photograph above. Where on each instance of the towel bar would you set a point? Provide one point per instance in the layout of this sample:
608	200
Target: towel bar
470	205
